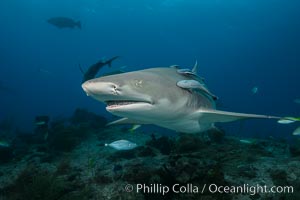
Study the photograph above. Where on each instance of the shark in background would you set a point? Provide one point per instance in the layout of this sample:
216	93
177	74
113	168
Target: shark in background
64	22
170	97
94	69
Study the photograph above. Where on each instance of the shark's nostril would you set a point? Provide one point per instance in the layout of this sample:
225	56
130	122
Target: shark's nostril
114	88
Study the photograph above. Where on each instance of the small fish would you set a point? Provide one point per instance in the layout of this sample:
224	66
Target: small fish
4	144
288	120
46	135
40	123
190	84
122	145
134	127
64	22
297	131
297	101
196	85
41	120
246	141
285	121
254	90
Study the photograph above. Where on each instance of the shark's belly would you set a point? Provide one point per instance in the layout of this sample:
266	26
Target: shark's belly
185	126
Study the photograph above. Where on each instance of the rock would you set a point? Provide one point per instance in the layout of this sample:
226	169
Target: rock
6	154
216	135
120	155
294	150
279	177
145	152
163	144
101	178
189	143
83	116
247	171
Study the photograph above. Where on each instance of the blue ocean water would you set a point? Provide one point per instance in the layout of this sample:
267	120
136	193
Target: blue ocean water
248	51
238	44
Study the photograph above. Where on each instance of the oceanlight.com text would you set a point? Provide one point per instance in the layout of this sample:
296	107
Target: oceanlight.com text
207	188
251	190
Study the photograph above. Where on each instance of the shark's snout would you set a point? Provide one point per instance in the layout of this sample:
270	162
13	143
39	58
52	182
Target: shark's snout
85	87
118	98
94	88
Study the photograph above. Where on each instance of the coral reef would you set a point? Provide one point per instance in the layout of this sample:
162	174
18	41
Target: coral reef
73	163
91	119
6	154
66	138
34	183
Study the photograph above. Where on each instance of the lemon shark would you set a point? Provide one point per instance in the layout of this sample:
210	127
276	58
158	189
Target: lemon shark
170	97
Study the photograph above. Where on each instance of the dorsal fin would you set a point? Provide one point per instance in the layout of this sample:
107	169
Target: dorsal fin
195	68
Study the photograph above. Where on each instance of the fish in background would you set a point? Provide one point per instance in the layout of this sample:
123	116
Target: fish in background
4	143
41	123
122	145
296	131
64	22
94	69
254	90
288	120
297	100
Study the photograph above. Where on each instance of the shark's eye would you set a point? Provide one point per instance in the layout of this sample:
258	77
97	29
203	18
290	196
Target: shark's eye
138	83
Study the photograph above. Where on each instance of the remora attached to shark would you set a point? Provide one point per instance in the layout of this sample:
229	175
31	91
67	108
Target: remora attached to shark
166	97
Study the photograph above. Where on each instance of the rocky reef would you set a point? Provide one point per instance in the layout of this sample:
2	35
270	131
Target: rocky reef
72	162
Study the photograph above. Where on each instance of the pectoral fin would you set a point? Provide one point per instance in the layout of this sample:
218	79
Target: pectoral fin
124	121
213	116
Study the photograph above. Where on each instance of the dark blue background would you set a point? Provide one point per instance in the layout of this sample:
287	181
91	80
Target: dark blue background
238	44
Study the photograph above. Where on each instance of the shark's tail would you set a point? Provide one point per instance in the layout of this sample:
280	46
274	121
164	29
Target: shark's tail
110	60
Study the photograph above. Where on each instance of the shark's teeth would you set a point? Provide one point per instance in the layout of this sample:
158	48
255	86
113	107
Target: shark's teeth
119	103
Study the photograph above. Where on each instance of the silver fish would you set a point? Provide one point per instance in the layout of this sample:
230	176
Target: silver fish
122	145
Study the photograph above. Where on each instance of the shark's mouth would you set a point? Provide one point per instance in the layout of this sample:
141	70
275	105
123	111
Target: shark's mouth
122	103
